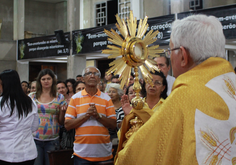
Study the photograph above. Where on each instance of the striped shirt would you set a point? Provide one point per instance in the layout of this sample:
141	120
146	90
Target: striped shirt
119	116
92	140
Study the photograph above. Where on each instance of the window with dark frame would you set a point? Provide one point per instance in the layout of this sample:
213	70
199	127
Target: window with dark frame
195	4
101	14
124	8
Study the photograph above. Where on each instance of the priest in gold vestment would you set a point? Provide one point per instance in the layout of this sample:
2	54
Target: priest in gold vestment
197	122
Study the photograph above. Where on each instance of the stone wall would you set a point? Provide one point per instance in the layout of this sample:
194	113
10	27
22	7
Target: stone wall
6	14
7	55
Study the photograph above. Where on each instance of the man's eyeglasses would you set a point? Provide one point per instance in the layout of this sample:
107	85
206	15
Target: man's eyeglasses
168	51
92	73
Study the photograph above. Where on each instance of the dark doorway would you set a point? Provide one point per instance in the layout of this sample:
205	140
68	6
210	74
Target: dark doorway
103	65
60	69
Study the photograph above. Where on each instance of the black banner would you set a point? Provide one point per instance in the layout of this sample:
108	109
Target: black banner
225	14
40	47
94	39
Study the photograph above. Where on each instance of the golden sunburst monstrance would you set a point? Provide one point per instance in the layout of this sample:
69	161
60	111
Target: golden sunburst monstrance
134	51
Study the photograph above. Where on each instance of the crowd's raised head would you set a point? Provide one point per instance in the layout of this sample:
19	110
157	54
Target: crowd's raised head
87	72
156	83
62	88
163	63
46	77
115	79
102	85
108	76
70	83
33	86
25	86
131	79
116	87
78	86
79	77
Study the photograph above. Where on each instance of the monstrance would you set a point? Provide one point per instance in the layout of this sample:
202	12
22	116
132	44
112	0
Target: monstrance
135	53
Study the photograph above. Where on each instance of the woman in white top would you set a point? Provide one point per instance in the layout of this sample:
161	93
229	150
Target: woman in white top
18	119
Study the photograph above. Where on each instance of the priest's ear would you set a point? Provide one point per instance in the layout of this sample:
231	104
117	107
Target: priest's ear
186	60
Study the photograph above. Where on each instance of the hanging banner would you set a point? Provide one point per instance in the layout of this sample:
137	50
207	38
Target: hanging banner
225	14
94	39
41	47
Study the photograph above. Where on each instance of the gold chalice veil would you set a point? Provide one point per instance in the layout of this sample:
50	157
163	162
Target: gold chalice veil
135	53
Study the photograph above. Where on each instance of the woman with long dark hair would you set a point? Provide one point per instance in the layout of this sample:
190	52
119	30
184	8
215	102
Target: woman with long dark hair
51	106
154	95
18	119
70	83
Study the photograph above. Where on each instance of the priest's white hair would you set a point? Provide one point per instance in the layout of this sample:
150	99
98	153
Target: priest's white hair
201	35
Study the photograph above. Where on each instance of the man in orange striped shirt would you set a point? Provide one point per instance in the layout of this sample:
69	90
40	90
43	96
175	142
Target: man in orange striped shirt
90	113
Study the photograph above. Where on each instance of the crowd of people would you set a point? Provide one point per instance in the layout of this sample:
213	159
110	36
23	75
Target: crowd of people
87	112
54	99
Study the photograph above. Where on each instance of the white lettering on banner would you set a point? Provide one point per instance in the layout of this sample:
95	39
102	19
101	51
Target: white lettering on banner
154	27
47	48
36	43
53	41
56	46
92	36
65	50
41	42
161	27
227	18
229	26
160	35
42	48
100	43
32	49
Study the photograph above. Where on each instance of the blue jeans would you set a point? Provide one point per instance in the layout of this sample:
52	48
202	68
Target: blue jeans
79	161
42	148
